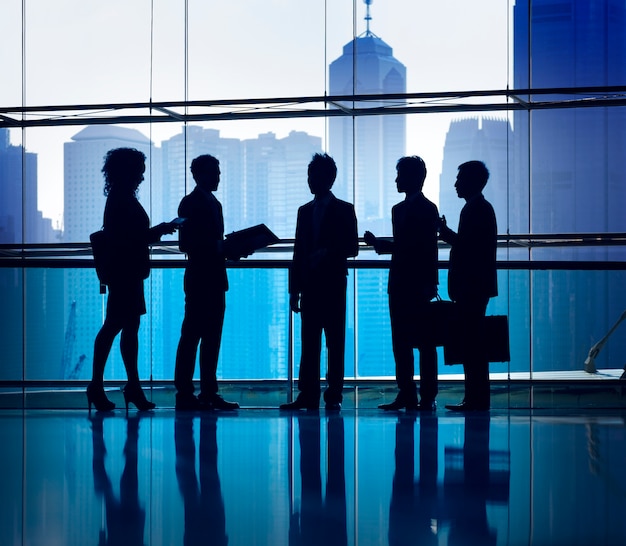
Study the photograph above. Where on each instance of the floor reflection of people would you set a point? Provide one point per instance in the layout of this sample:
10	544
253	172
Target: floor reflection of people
469	517
413	509
205	521
321	521
125	518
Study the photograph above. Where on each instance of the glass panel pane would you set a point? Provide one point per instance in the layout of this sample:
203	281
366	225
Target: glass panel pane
82	53
18	199
577	176
572	43
572	311
11	53
168	55
12	324
239	49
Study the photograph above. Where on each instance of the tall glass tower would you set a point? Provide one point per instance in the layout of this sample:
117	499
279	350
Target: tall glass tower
577	173
366	150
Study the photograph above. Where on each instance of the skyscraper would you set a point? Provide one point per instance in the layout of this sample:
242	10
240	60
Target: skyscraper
22	222
366	150
576	173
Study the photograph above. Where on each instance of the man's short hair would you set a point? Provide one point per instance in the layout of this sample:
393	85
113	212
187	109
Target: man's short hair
414	167
324	168
204	163
476	171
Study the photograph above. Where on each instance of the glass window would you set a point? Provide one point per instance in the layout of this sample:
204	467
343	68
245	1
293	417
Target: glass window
555	170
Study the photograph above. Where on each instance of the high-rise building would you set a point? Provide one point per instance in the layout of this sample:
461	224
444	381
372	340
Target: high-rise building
366	150
21	222
576	171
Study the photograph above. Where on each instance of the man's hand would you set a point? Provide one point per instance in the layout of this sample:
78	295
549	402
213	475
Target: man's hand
235	252
294	302
371	240
166	228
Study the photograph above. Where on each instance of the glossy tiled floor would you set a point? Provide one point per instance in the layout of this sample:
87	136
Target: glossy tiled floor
360	477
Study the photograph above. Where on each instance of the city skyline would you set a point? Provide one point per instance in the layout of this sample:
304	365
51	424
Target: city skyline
250	36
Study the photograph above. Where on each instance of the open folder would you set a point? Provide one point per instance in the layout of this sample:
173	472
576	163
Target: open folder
252	238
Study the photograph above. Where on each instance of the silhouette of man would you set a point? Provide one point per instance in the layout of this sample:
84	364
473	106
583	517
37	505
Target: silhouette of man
321	520
414	506
472	278
205	519
326	235
206	283
413	280
468	499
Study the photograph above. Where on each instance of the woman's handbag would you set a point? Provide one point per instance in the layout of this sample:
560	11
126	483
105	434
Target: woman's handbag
102	250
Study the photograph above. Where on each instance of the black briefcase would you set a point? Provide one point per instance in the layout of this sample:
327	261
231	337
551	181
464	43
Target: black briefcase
436	327
495	334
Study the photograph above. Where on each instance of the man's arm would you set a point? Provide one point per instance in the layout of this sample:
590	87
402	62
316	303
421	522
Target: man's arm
381	246
446	234
353	239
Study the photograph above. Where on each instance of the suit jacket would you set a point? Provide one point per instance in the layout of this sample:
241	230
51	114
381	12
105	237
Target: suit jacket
201	237
473	254
413	268
337	236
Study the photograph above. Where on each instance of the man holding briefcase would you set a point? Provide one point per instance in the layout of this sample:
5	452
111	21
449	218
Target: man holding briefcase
472	279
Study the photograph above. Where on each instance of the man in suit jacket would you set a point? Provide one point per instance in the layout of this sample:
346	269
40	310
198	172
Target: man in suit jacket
472	278
413	279
206	283
326	236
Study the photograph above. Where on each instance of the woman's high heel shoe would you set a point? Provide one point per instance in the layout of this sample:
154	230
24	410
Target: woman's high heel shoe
134	394
96	396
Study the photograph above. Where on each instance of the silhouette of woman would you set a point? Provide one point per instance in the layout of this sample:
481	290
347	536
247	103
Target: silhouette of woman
129	233
125	517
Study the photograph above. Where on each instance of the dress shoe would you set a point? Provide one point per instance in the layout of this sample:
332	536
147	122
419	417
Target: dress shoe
299	404
333	406
218	403
426	406
133	394
467	406
400	403
187	402
97	397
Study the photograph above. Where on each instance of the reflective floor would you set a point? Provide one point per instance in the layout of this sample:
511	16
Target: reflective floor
359	477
